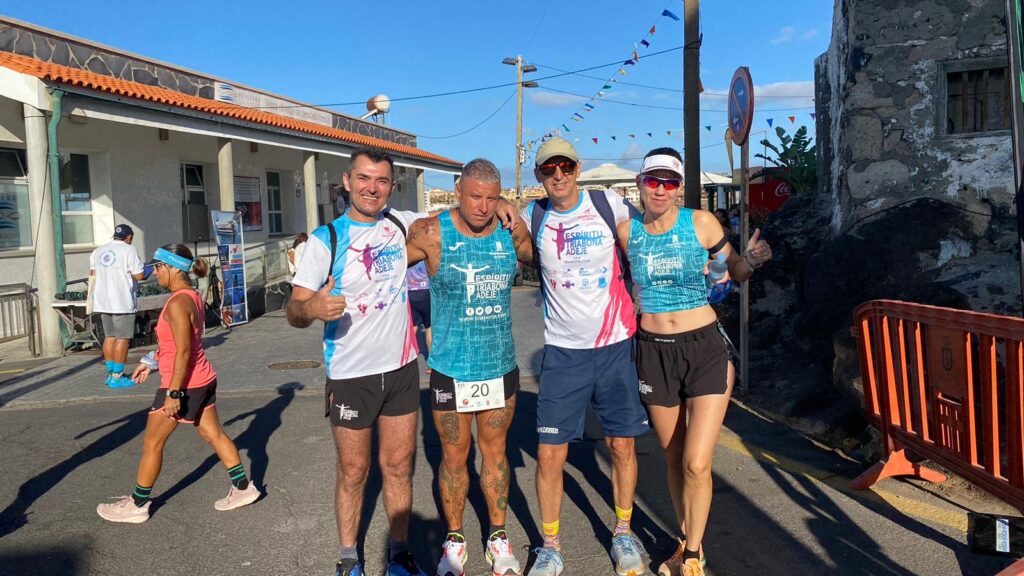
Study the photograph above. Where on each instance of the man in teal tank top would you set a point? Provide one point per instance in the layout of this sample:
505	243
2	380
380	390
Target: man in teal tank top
471	261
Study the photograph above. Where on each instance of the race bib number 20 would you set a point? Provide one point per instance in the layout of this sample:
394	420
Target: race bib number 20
479	395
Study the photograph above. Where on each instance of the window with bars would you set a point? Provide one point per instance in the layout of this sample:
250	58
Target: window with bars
977	98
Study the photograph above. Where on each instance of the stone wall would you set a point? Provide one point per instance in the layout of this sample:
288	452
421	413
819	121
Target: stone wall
880	92
26	40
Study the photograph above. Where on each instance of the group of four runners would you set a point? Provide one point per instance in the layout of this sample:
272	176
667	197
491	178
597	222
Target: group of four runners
673	374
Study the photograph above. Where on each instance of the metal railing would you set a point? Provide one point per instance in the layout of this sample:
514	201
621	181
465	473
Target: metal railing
17	319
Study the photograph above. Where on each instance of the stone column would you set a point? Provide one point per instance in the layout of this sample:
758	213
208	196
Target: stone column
309	189
226	174
41	204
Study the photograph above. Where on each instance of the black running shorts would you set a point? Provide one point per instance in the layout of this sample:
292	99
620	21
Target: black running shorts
356	403
674	367
193	404
442	389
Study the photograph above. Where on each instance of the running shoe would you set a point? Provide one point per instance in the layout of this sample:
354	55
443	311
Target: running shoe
237	498
628	555
549	562
674	565
348	568
499	554
120	382
692	567
453	556
124	510
403	564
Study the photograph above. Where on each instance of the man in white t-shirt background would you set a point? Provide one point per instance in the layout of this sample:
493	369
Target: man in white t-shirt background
114	272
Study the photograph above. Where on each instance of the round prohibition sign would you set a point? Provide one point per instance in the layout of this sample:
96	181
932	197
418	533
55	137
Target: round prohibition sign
741	105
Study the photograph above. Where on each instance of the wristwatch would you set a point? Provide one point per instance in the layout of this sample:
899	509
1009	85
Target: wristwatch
176	394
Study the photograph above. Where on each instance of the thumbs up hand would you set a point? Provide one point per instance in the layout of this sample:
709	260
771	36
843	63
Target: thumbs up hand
758	251
324	306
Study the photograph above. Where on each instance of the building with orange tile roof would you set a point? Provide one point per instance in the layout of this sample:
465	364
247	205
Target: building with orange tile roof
158	146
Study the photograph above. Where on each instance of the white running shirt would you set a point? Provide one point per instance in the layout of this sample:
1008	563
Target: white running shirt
375	334
586	304
114	288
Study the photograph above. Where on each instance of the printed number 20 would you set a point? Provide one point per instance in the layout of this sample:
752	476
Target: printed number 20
480	390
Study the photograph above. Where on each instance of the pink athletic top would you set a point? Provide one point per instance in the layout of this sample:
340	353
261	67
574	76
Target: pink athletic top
200	372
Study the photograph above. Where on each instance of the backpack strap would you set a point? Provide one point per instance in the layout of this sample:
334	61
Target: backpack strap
540	208
334	247
393	218
604	208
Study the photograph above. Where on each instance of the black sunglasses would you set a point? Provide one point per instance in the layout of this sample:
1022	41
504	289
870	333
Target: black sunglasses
567	166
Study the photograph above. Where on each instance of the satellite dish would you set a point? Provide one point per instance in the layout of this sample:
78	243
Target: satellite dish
377	105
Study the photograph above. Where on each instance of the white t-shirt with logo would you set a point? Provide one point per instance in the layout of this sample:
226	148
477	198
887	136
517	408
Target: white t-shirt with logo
586	304
114	263
375	334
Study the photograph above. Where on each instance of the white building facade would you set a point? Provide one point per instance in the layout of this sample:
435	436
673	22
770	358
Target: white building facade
131	140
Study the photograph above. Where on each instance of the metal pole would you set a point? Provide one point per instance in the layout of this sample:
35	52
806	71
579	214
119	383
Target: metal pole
691	103
744	236
519	122
1013	33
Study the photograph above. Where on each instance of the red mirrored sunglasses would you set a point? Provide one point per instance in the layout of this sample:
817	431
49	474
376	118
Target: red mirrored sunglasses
567	166
670	184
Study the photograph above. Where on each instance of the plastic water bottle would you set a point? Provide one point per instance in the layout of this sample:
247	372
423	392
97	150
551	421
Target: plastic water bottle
149	360
716	272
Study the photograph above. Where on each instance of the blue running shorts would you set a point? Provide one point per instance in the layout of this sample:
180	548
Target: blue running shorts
571	379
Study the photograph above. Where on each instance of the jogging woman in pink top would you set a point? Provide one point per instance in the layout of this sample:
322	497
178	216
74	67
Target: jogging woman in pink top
187	393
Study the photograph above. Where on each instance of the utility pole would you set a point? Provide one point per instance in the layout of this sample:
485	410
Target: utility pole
519	125
691	103
520	153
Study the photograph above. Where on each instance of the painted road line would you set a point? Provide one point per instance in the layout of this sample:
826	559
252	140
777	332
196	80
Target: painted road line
13	371
914	508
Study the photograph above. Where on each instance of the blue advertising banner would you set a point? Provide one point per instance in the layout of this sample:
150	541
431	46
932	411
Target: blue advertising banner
227	227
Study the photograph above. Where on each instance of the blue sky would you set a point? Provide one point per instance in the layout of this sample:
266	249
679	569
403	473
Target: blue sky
325	52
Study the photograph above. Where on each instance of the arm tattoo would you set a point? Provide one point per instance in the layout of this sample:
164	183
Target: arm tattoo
523	244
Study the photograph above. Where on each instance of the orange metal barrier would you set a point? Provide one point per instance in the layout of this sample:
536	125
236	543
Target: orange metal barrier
947	385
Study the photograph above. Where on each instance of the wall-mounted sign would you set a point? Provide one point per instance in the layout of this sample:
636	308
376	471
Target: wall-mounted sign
247	202
224	92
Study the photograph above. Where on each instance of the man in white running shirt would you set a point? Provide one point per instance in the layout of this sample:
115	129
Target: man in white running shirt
588	356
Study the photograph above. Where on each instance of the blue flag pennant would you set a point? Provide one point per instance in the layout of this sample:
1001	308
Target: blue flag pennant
670	15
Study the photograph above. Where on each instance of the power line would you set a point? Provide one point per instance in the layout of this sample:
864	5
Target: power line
478	124
665	88
464	91
668	107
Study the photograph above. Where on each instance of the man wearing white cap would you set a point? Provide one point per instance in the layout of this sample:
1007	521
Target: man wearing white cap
114	271
588	325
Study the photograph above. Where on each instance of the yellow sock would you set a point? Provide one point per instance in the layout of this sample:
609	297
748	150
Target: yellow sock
550	530
622	518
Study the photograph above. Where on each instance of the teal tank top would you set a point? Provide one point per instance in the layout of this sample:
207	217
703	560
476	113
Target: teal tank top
668	269
470	304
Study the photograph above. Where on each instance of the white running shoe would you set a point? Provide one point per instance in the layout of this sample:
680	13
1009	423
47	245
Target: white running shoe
237	498
453	557
124	510
499	554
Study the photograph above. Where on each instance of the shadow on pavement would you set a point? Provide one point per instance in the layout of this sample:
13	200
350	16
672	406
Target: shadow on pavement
125	429
253	441
59	560
7	397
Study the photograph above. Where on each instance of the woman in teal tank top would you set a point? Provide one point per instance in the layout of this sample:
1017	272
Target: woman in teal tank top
683	360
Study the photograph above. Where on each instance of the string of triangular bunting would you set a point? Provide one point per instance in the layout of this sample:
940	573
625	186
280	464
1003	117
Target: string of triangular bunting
608	85
649	134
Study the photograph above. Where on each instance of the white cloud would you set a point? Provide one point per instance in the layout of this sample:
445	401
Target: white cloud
631	156
773	95
552	99
785	35
813	32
